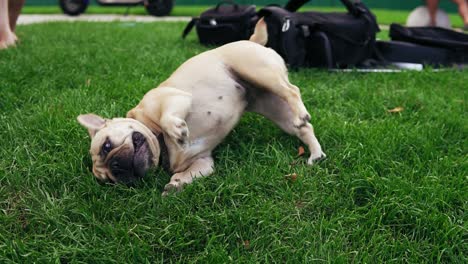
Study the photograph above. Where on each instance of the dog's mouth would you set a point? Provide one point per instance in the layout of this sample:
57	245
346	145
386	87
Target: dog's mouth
141	154
130	164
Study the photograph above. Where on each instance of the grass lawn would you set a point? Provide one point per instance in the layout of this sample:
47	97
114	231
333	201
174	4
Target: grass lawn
393	188
384	16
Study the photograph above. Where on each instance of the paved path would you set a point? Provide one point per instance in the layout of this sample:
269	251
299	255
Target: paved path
32	19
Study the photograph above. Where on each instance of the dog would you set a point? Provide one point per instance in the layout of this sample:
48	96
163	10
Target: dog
182	120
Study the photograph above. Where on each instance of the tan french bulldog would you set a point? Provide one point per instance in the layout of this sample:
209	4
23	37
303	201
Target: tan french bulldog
190	113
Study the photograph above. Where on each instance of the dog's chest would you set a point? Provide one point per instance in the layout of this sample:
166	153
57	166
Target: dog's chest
214	112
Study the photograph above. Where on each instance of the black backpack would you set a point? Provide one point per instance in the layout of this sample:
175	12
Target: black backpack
317	39
227	22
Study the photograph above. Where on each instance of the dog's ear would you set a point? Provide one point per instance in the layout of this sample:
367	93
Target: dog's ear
92	122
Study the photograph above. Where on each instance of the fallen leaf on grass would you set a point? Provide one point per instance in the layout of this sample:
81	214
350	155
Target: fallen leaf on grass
88	82
294	163
300	151
23	220
291	177
300	204
397	109
247	244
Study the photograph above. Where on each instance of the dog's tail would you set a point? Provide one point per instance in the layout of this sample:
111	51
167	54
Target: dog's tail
260	34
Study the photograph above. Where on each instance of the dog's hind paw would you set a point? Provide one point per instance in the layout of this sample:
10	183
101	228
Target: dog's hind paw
316	157
301	120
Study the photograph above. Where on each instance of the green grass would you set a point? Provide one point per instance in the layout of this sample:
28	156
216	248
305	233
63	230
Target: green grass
384	16
393	188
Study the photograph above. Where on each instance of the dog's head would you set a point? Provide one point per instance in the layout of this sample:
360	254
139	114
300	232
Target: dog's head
122	149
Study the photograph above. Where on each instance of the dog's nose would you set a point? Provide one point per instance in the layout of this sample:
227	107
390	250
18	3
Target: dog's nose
122	170
114	165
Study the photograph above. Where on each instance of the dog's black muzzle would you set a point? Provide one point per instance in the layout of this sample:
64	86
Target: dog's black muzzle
129	166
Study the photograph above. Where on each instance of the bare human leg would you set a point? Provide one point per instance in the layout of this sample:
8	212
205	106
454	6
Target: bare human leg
432	6
9	12
7	37
14	10
463	11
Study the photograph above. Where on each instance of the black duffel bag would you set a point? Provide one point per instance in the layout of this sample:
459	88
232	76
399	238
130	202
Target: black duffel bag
317	39
433	46
431	36
227	22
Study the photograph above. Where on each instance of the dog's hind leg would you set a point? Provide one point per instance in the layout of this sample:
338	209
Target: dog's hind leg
275	80
279	111
267	71
199	168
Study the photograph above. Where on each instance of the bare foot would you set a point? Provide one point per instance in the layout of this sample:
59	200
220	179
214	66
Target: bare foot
7	39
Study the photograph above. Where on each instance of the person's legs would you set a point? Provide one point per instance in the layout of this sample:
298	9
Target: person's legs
14	10
463	10
7	38
432	6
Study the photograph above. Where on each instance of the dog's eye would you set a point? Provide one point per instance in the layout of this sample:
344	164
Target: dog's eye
106	147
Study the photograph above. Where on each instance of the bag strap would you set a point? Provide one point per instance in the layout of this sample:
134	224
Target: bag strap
189	26
227	2
327	46
294	5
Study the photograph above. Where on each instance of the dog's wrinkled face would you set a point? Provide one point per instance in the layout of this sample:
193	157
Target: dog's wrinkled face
122	149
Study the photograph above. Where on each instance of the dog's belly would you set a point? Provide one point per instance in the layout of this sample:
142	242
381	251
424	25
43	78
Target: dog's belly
216	109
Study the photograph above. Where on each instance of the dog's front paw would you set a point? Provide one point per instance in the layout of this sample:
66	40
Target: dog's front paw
173	187
319	155
177	129
170	188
